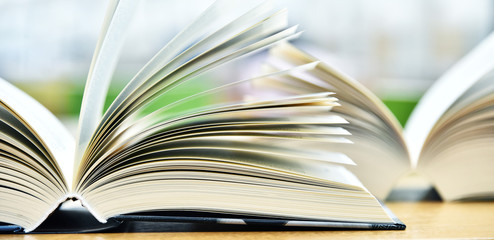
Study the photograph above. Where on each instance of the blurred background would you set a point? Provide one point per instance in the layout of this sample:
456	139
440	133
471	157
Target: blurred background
396	48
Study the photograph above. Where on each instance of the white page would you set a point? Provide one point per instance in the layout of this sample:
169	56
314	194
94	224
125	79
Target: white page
444	92
105	58
209	19
219	14
50	130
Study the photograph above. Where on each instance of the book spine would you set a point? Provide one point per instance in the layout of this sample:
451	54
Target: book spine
88	207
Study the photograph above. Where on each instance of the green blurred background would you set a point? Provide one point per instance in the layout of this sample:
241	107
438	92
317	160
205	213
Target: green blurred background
395	48
64	98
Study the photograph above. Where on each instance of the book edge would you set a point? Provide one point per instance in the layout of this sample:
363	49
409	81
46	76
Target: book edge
47	214
396	225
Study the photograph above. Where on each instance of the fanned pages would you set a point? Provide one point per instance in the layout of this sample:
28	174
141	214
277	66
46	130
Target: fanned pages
375	131
452	124
219	150
35	159
168	77
105	58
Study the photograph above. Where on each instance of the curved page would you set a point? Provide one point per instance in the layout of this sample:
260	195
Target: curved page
444	92
102	66
379	150
43	123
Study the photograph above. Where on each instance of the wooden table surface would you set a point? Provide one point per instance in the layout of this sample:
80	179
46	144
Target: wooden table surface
423	220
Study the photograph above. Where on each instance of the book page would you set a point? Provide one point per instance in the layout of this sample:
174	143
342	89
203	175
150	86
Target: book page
462	140
295	129
245	34
102	66
234	188
445	92
194	46
374	129
212	18
43	124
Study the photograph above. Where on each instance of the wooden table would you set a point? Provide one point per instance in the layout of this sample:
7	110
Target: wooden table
423	220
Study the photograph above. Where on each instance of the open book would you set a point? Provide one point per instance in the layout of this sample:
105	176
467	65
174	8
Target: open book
216	151
448	137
